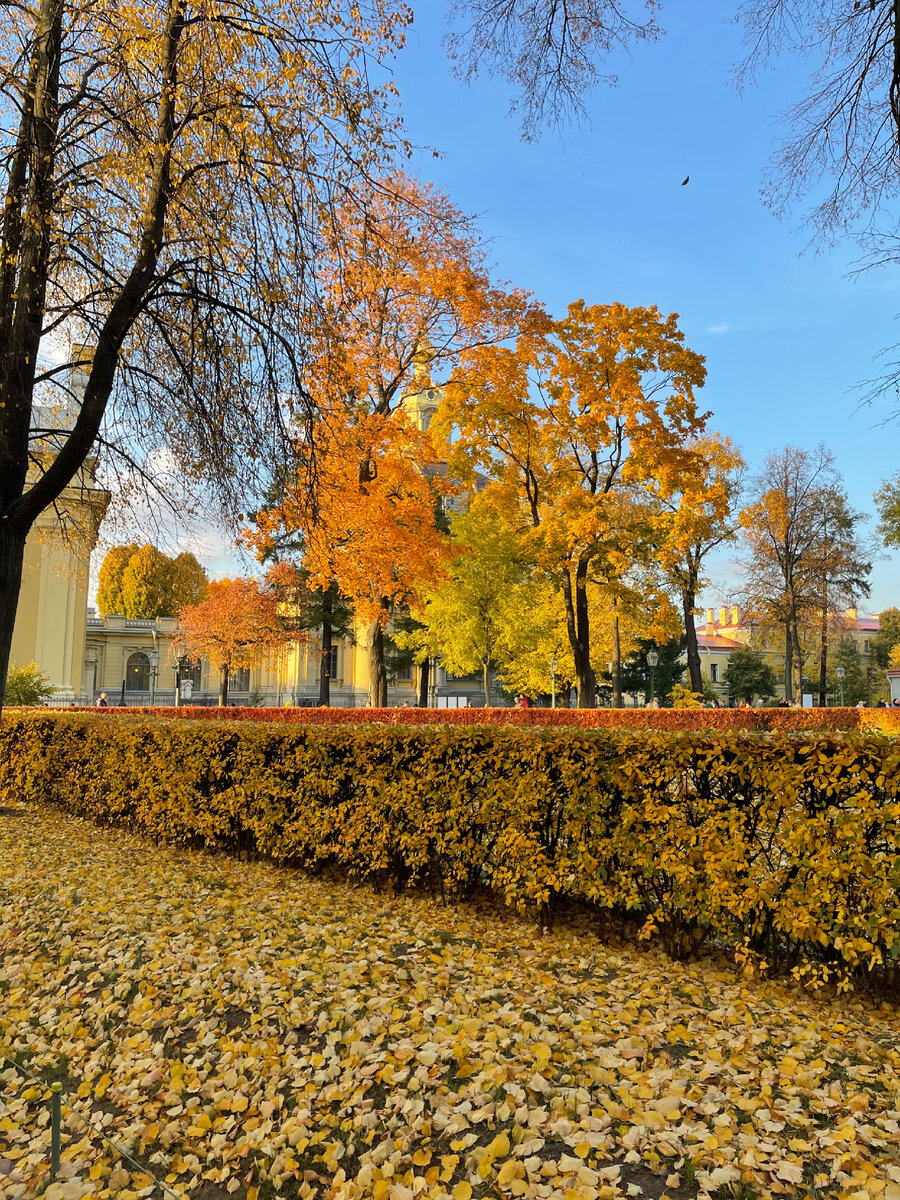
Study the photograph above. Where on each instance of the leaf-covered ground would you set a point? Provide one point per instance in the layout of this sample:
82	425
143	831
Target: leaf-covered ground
245	1030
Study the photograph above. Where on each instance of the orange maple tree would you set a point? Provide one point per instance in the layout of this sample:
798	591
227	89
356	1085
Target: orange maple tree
406	290
238	624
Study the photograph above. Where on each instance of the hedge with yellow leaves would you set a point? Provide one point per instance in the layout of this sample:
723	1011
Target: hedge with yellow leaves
783	846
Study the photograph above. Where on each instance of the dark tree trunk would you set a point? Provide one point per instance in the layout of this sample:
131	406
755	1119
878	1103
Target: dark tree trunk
788	663
223	687
578	629
424	671
378	697
688	602
325	665
823	655
616	666
12	554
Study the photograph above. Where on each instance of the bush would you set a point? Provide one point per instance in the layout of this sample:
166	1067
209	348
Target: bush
783	846
27	686
581	718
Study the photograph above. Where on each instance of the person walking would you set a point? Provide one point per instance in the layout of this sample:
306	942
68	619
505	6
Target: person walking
102	701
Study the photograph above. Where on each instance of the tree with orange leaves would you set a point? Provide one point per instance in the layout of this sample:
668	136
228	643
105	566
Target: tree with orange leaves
375	532
238	624
575	424
406	290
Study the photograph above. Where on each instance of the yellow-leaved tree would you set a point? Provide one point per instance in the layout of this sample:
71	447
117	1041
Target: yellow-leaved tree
575	424
164	166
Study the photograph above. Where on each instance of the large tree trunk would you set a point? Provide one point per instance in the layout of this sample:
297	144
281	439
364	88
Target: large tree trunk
616	665
378	696
12	554
424	672
788	663
223	687
688	602
578	629
325	665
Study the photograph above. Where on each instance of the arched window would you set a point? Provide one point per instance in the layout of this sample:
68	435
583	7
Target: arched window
137	672
240	680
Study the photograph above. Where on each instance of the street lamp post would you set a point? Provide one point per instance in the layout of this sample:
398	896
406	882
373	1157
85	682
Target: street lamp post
652	660
553	666
154	668
841	672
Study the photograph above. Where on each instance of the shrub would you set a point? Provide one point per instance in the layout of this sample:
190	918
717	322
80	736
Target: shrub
27	686
598	718
783	846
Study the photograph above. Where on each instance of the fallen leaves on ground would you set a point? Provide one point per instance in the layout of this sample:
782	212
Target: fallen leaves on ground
245	1030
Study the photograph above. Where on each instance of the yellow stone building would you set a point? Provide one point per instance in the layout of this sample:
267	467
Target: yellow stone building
729	628
51	623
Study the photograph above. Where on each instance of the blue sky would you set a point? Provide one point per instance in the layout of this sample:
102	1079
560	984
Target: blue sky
600	213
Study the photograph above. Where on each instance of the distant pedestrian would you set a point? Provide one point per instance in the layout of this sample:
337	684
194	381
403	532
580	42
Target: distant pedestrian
523	702
861	704
102	701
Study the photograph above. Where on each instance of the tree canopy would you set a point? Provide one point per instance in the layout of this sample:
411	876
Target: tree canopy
143	582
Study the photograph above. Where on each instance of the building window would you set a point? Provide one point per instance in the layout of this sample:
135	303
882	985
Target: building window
332	662
191	672
240	680
137	672
404	673
714	673
866	647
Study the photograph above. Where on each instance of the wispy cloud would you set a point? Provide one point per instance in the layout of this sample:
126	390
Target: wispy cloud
718	328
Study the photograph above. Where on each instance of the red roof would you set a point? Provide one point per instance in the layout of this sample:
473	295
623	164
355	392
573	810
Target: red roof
715	641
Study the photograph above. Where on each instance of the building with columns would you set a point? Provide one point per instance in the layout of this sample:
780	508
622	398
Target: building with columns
51	618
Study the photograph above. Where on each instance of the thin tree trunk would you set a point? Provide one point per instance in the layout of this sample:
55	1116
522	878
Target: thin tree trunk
823	654
325	665
616	665
797	658
788	663
223	687
378	697
424	671
486	681
12	555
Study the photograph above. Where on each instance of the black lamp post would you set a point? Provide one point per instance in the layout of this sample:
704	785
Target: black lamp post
841	672
652	660
154	672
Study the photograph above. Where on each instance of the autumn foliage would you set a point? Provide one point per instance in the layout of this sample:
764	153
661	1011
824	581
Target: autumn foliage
718	834
238	625
886	720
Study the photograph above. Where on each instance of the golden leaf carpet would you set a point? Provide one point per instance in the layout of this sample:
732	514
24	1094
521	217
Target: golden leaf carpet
245	1030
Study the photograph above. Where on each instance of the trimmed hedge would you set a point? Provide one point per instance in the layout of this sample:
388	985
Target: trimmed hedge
887	719
784	847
